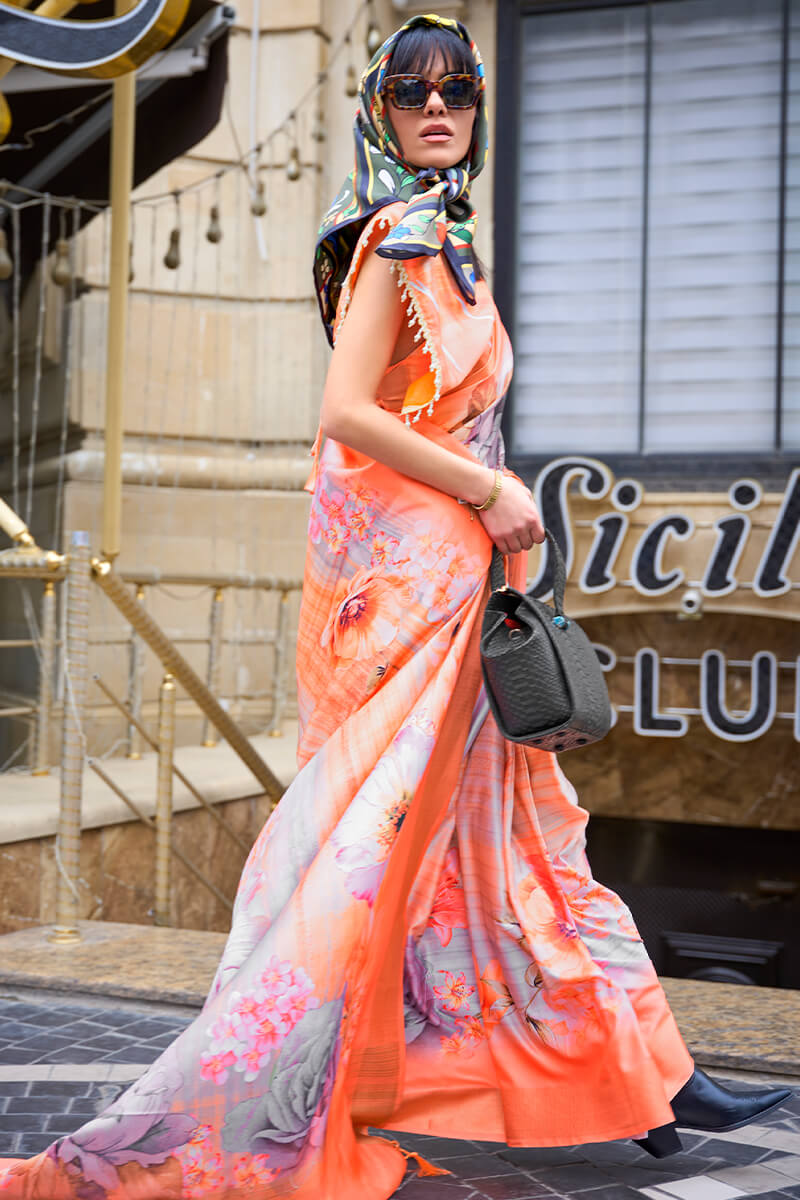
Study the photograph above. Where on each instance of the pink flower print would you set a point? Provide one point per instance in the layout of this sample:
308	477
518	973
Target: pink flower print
246	1007
363	872
359	522
429	544
226	1033
336	538
252	1169
252	1061
202	1175
333	503
449	910
215	1066
439	601
297	1002
276	976
365	618
473	1029
268	1032
383	547
361	496
201	1134
452	1045
556	944
454	991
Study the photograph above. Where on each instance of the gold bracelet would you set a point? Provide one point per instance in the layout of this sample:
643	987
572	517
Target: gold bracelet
493	494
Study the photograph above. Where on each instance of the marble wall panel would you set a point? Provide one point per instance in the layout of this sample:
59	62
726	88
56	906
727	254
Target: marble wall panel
116	875
90	880
127	863
699	777
19	884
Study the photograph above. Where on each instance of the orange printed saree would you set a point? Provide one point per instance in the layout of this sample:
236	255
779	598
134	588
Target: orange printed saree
417	942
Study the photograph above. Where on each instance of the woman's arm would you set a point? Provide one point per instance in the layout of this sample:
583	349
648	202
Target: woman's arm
351	415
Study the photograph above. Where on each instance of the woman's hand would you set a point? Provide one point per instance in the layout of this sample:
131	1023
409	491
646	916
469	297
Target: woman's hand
513	522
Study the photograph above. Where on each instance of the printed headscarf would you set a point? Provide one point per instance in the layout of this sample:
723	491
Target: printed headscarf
439	217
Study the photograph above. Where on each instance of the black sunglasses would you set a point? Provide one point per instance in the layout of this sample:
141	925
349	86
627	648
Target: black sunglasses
412	91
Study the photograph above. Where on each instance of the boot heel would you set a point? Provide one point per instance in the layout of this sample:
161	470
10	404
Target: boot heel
662	1141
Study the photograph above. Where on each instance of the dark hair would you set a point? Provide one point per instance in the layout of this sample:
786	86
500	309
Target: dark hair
415	50
413	53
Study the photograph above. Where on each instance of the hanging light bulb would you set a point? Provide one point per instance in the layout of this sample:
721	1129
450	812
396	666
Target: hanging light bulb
350	75
258	203
61	274
318	127
6	265
214	231
374	39
293	168
172	258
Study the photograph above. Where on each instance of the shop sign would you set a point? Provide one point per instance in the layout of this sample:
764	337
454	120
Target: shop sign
648	576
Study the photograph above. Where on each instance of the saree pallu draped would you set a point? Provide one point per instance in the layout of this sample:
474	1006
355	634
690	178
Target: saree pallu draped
417	941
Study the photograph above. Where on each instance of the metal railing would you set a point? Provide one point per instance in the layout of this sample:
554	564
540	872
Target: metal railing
78	570
43	710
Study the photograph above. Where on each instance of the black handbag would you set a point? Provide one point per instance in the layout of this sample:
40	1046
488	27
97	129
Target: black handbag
543	679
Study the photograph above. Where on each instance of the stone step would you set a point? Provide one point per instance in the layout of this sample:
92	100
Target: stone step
746	1030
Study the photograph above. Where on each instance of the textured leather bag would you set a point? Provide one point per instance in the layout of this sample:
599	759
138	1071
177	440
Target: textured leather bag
543	680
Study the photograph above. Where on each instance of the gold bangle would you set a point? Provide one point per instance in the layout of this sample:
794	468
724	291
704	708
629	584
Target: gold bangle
493	494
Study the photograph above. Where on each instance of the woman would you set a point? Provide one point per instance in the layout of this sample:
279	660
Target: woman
417	942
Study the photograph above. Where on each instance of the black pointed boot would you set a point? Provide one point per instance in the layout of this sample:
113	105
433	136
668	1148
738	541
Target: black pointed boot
708	1106
661	1142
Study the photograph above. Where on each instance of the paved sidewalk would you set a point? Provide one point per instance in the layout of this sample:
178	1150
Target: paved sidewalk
63	1061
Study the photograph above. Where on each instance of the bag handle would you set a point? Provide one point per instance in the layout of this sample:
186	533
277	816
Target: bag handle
497	573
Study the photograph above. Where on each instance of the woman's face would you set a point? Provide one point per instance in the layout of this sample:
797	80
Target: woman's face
433	136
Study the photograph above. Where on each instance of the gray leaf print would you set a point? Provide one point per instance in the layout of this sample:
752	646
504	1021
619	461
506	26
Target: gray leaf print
277	1123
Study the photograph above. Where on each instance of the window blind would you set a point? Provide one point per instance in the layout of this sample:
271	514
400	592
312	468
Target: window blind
712	296
791	292
648	230
578	263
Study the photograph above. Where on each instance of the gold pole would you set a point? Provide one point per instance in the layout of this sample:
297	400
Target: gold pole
76	678
178	773
150	823
46	665
186	676
166	748
122	140
214	655
135	672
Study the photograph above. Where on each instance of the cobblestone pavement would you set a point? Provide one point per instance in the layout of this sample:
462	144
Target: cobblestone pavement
63	1061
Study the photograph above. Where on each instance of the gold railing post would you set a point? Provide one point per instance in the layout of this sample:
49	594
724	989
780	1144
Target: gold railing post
135	674
186	676
47	657
279	667
122	141
166	749
76	679
214	660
